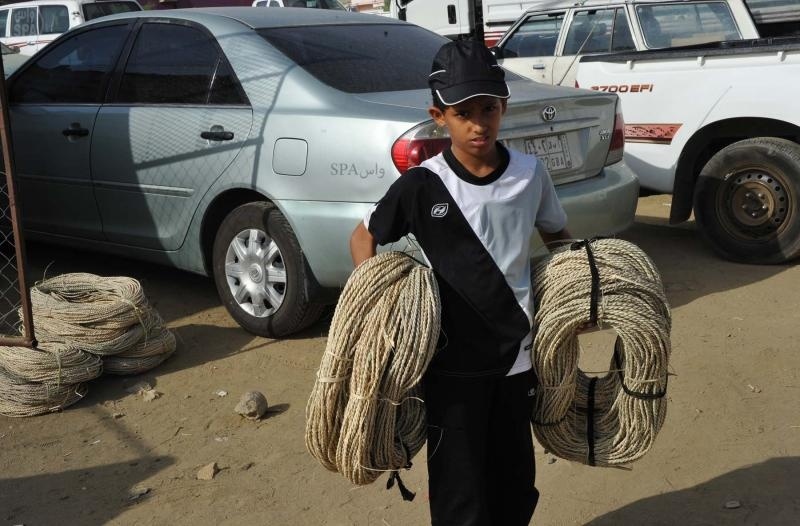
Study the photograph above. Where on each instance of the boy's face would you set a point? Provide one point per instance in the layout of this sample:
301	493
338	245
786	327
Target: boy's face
473	124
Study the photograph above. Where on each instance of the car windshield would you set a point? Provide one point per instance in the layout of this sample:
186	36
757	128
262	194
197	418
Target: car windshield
673	25
321	4
97	9
361	58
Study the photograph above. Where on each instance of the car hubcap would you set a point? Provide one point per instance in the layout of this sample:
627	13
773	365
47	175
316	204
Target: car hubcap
255	272
756	204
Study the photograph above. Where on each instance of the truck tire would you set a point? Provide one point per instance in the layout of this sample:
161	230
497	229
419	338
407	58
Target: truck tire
747	201
261	273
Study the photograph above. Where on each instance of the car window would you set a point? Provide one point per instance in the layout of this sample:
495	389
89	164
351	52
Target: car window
535	37
622	39
23	22
75	70
96	10
53	19
3	22
396	56
590	32
683	25
175	64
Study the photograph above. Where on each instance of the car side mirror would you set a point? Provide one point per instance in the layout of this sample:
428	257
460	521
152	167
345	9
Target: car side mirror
496	51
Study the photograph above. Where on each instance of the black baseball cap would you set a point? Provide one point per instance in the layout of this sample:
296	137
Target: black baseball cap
463	69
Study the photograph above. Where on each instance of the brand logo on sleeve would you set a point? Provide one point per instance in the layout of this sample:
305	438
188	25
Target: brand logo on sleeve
439	210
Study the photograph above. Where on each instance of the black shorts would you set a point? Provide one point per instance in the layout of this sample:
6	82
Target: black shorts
480	451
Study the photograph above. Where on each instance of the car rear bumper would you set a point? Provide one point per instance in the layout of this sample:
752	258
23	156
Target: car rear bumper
600	206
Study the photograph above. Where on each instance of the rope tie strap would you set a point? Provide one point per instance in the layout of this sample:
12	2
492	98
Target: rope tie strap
600	420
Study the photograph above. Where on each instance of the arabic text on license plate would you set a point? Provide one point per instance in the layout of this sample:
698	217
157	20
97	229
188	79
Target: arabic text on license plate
552	150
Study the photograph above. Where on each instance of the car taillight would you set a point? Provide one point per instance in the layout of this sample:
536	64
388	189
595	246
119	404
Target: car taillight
617	147
418	144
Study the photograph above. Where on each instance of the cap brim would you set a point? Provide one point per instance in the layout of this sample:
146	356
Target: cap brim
458	94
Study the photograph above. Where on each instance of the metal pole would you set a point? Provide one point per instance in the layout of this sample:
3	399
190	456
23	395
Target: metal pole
29	339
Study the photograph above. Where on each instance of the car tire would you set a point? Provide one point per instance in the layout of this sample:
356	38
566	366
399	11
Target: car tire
747	201
261	273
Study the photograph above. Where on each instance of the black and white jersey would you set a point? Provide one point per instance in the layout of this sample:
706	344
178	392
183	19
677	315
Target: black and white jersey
475	232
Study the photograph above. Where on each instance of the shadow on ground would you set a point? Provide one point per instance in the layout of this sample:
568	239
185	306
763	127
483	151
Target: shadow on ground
688	267
767	494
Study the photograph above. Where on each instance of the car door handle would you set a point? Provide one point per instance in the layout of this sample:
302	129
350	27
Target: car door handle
75	130
539	66
217	135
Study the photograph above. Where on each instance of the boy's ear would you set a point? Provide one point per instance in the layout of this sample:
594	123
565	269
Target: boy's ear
437	115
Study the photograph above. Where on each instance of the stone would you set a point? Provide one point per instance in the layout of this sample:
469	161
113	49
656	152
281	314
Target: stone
252	405
733	505
208	471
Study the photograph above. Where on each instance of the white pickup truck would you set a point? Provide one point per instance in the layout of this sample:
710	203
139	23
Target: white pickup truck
718	126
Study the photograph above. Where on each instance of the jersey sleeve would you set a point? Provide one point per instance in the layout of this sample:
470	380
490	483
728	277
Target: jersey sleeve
390	218
550	217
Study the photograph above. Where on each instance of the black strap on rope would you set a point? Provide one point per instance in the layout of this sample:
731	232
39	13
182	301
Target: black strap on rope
590	421
595	295
404	491
629	392
407	494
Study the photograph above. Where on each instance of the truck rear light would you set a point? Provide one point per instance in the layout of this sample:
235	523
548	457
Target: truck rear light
617	146
417	145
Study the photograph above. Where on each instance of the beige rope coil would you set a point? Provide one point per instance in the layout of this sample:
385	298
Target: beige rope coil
144	356
102	315
53	363
19	398
365	415
629	402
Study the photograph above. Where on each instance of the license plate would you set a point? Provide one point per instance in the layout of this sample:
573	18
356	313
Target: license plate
552	150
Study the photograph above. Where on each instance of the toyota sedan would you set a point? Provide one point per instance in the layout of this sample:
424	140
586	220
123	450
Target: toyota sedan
246	144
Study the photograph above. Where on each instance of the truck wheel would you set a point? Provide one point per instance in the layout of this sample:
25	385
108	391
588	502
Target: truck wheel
261	273
746	201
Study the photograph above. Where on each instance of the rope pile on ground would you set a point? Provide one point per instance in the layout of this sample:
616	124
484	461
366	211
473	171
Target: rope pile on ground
85	324
144	356
365	415
612	419
36	381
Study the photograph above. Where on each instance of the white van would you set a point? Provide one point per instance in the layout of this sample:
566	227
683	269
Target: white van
29	26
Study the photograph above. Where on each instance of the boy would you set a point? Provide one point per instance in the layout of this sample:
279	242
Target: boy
473	209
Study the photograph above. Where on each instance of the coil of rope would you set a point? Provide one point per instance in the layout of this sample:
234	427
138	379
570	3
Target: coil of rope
364	416
19	398
52	362
613	419
144	356
102	315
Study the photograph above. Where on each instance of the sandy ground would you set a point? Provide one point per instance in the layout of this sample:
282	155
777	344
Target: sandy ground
732	431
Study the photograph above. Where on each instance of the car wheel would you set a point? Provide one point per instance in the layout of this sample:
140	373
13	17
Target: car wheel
747	201
261	273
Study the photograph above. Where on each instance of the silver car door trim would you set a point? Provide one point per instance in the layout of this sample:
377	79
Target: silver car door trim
147	188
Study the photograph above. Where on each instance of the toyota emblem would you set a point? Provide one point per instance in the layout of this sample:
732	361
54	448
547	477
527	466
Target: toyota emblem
549	113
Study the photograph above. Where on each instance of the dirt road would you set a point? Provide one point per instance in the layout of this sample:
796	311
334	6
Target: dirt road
732	432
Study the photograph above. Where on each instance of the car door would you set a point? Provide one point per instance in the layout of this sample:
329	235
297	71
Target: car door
177	120
529	49
592	31
53	103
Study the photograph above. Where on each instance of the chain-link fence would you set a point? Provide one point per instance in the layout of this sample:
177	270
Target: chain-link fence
10	298
14	297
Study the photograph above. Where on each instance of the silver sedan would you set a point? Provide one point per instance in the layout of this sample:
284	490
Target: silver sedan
246	144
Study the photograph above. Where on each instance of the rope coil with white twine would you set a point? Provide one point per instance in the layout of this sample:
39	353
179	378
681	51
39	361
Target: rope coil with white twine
85	324
365	415
613	419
